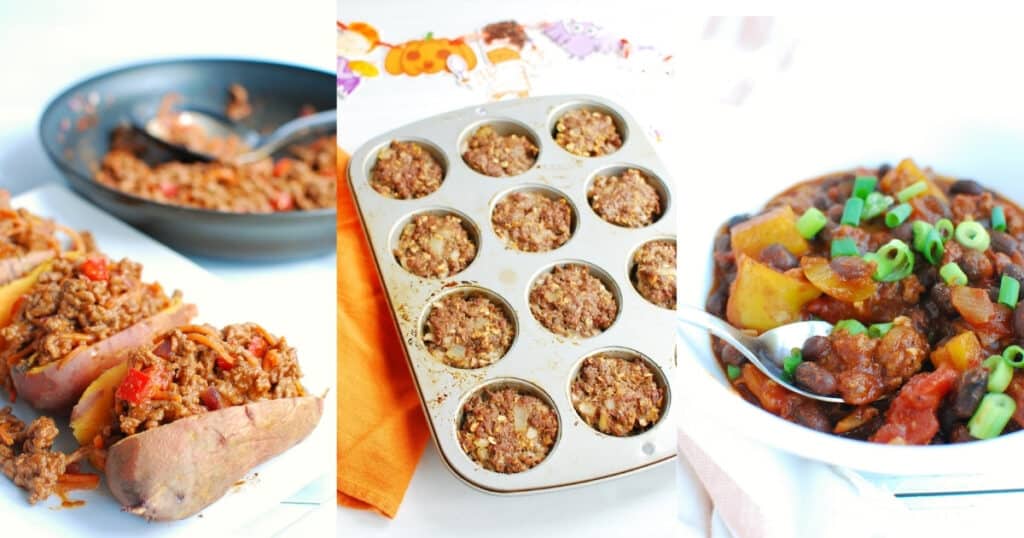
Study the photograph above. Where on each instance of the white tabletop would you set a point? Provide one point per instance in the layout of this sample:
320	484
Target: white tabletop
46	49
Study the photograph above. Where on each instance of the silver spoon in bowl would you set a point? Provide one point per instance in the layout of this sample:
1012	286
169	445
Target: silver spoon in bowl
767	351
261	146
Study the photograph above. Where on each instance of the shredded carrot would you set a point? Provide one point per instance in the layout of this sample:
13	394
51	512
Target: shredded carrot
215	346
73	481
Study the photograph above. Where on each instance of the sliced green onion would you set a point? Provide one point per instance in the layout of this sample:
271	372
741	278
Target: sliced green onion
920	229
844	246
811	222
733	372
894	261
1009	291
998	219
898	215
875	204
990	363
1000	373
953	275
933	248
790	363
912	191
864	185
972	235
852	212
851	326
879	330
945	228
992	415
1014	356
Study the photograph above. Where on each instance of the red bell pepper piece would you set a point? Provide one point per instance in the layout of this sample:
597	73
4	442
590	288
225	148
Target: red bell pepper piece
95	269
135	387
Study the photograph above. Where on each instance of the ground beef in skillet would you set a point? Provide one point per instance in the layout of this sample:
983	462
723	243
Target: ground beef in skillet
497	155
189	375
506	431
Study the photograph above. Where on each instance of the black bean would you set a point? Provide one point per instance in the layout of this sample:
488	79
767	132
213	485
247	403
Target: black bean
822	201
883	170
993	293
1014	271
942	295
973	384
904	232
1018	321
731	355
976	265
928	275
966	186
810	415
815	378
738	219
961	434
1004	242
828	232
816	348
778	257
835	213
717	301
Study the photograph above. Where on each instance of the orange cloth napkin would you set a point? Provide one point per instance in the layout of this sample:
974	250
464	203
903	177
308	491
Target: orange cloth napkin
381	429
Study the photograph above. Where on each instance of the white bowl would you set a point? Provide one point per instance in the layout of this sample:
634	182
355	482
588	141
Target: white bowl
753	157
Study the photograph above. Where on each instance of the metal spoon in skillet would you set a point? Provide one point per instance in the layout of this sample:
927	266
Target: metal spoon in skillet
220	128
767	351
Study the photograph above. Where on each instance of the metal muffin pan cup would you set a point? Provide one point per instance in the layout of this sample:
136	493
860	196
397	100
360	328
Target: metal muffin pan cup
549	362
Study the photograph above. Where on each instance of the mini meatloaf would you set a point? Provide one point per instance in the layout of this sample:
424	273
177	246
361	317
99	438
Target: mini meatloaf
587	133
406	170
74	304
506	431
569	301
627	199
532	221
197	368
468	330
435	246
656	272
27	458
617	396
497	155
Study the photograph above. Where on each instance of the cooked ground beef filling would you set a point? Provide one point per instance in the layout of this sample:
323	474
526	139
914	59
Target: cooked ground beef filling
627	199
569	301
532	221
406	170
195	369
21	232
435	246
238	107
468	331
76	304
306	180
506	431
497	155
656	272
587	133
617	396
26	455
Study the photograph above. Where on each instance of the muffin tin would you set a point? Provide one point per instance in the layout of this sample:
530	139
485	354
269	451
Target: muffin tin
538	361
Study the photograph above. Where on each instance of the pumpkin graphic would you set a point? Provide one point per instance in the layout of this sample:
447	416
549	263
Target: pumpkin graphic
427	56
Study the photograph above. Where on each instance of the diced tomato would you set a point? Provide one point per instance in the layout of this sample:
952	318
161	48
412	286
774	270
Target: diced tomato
282	166
168	189
911	419
258	346
1016	391
211	399
973	304
135	387
283	201
95	269
225	363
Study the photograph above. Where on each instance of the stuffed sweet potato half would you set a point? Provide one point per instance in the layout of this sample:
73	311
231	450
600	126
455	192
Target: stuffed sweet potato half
76	317
188	416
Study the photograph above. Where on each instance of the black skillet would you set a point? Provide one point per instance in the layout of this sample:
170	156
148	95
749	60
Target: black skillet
75	131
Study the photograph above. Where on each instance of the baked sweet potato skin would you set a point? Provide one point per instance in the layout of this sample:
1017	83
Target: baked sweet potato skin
174	471
55	387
